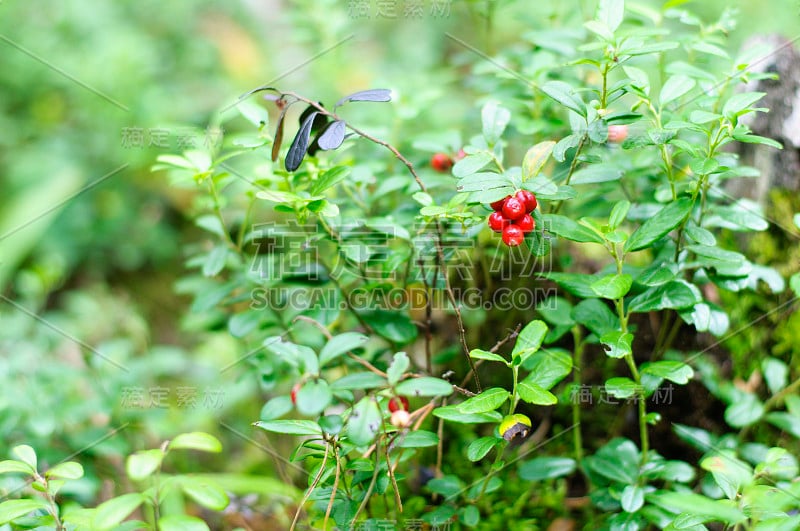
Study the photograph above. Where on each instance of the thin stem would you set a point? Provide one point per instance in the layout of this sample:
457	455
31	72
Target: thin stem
573	165
333	491
577	355
310	489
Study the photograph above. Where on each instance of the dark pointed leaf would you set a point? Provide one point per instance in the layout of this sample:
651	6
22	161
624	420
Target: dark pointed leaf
367	95
320	120
276	143
333	136
299	145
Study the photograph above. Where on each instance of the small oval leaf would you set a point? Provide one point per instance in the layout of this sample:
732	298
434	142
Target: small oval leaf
332	137
379	95
297	151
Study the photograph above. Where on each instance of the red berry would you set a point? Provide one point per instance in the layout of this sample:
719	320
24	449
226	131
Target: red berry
441	162
295	389
513	208
617	133
498	205
398	403
512	235
526	223
461	154
527	199
497	222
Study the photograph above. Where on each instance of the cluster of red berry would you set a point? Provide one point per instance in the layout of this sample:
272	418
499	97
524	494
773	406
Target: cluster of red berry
512	217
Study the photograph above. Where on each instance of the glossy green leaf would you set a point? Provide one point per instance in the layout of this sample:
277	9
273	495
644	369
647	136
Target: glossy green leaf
618	344
141	465
478	448
196	440
534	394
339	345
399	366
613	286
488	400
290	427
542	468
424	386
365	422
659	225
110	513
569	229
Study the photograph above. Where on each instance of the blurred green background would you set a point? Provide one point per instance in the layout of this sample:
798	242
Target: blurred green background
92	241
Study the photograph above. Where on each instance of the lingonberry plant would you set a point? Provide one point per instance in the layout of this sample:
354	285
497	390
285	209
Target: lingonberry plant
363	337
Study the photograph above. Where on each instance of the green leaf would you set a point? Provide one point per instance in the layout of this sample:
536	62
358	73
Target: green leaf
12	509
675	87
67	470
365	422
569	229
419	439
730	473
181	522
785	421
479	354
632	498
529	340
494	119
596	173
565	95
424	386
675	295
329	179
776	374
618	344
215	261
743	215
196	440
206	493
674	371
659	225
340	345
740	102
290	427
613	286
542	468
13	466
26	454
453	414
277	197
471	164
595	315
478	448
745	410
397	368
700	235
359	380
110	513
535	159
697	504
276	407
397	327
313	397
621	387
141	465
470	516
778	464
548	367
618	213
575	283
794	283
534	394
611	12
556	311
488	400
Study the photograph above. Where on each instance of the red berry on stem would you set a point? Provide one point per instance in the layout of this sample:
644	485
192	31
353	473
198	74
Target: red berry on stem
617	133
441	162
398	403
512	235
513	208
526	223
295	389
498	205
527	199
497	222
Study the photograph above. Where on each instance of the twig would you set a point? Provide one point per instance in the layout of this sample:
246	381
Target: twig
311	488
